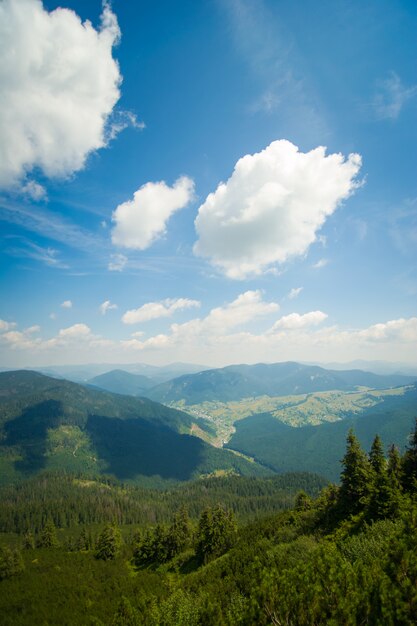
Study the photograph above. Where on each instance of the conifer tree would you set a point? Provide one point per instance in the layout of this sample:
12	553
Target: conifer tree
355	478
376	456
410	464
48	538
381	501
11	563
28	541
216	533
394	466
108	543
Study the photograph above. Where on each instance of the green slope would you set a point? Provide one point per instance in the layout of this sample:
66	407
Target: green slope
54	424
320	448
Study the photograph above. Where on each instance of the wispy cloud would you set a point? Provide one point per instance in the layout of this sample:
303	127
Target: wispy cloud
117	262
23	248
50	225
391	96
320	263
271	53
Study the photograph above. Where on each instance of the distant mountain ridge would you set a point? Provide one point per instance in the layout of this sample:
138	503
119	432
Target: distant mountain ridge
235	382
119	381
46	423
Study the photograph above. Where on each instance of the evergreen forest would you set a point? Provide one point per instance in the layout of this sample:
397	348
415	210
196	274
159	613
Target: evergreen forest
225	550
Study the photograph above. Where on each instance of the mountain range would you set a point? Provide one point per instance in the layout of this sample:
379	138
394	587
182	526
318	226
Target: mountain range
235	382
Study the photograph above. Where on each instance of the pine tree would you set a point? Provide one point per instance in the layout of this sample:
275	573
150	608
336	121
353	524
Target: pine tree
410	464
394	467
355	479
381	503
376	456
28	541
108	543
179	533
216	533
48	538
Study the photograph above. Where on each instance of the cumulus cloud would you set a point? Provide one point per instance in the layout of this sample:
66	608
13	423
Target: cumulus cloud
295	291
67	304
4	326
294	321
245	308
399	330
106	306
272	207
391	97
139	222
59	86
154	310
117	262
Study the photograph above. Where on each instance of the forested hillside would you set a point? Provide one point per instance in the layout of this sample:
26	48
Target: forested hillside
58	425
346	555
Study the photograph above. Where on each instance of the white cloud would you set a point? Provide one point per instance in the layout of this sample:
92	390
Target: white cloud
294	321
59	86
139	222
399	330
391	97
117	262
67	304
32	329
272	207
122	120
6	325
52	316
155	310
245	308
34	191
75	331
106	306
320	263
295	291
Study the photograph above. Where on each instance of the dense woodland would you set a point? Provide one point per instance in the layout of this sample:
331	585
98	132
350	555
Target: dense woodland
345	555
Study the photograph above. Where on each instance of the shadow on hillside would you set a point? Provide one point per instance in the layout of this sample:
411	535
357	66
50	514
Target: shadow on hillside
29	431
135	446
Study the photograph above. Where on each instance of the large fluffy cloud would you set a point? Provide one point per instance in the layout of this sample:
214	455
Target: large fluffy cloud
59	83
139	222
155	310
272	206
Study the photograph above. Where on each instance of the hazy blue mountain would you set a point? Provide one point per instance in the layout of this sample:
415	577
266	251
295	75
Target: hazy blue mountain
278	379
320	448
83	373
119	381
47	423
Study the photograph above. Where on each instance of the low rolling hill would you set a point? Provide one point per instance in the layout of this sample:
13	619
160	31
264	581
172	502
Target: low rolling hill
47	424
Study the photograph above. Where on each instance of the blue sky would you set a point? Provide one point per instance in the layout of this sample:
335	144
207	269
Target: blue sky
164	190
